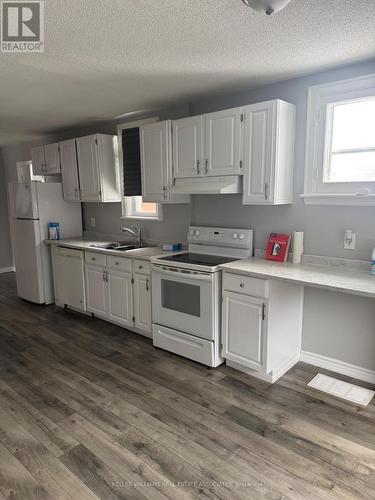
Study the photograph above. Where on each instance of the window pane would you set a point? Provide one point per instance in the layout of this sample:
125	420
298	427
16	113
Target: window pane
353	167
148	207
354	125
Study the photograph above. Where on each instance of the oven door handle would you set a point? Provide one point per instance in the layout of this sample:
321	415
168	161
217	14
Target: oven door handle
189	274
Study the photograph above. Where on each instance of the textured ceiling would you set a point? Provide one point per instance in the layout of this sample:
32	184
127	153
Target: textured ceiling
104	58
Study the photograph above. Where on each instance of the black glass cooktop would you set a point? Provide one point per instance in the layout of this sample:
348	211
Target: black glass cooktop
198	258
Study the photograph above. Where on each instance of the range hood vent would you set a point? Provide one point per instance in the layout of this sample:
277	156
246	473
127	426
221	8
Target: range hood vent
228	184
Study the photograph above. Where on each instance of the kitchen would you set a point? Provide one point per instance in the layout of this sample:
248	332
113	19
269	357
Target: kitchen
322	309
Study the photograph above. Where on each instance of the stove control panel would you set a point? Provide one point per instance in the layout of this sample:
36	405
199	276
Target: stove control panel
221	237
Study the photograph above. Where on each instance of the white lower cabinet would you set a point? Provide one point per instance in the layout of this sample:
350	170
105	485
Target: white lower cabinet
142	302
120	298
96	290
261	325
116	294
69	277
243	314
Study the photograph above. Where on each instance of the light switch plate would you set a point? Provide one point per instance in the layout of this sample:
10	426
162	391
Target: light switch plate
349	239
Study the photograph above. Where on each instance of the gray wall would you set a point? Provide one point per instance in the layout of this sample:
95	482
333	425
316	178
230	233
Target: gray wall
6	259
335	325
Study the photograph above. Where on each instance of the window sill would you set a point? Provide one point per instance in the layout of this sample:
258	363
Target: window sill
135	217
339	199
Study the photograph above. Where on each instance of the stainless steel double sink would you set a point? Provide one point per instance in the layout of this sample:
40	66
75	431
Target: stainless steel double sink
115	245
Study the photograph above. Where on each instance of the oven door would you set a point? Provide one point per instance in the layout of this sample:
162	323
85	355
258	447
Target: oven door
183	300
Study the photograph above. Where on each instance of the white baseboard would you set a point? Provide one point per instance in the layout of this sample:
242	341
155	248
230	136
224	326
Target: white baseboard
7	269
335	365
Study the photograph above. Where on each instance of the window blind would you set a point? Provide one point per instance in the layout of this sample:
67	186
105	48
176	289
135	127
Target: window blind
131	162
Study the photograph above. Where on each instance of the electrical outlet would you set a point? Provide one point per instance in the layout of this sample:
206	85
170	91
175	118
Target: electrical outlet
93	222
349	239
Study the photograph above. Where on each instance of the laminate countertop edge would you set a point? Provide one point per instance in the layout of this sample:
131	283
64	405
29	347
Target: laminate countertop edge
146	253
324	277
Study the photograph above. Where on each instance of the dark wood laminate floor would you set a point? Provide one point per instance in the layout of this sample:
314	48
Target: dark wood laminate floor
89	410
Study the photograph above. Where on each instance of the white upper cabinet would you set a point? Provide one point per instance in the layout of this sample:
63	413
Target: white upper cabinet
45	160
223	144
268	153
38	160
88	165
69	170
188	147
98	168
156	163
51	152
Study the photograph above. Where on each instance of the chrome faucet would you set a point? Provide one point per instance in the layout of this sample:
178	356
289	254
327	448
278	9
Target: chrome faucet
135	232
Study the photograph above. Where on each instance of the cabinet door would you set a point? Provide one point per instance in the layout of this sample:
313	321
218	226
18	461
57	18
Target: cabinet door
51	152
38	160
187	147
223	142
243	329
69	170
120	301
259	153
96	290
68	278
155	158
142	302
87	154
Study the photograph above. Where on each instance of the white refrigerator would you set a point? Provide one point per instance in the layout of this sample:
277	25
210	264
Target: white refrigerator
32	206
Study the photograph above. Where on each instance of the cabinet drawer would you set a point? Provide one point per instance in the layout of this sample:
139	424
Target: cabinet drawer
141	266
95	259
246	285
119	263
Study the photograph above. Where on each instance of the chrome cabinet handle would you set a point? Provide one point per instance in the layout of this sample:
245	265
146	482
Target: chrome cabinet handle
206	166
266	189
147	285
103	275
164	192
140	267
93	258
107	276
242	285
198	167
117	263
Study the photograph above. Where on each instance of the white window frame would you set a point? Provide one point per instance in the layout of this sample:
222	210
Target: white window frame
320	100
129	205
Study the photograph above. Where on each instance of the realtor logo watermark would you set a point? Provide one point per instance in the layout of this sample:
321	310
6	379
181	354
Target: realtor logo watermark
22	26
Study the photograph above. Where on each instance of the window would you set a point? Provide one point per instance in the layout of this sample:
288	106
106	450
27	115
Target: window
136	208
340	154
133	207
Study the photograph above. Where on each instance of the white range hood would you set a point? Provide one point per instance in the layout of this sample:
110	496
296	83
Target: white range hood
228	184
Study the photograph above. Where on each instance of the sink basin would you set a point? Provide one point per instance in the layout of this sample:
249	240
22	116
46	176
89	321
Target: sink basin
115	245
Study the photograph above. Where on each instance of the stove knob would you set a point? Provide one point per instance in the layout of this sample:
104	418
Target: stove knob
197	233
242	236
192	232
235	236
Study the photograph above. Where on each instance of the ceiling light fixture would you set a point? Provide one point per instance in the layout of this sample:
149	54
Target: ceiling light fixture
267	6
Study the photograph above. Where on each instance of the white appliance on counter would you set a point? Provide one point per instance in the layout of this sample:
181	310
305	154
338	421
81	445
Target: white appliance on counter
32	206
186	291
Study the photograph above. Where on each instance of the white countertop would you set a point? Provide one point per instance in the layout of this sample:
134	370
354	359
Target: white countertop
326	277
145	253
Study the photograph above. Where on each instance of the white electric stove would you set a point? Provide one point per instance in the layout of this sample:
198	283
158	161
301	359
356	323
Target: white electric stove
186	290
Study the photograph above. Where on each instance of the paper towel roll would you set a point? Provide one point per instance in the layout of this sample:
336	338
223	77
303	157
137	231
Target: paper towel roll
297	247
